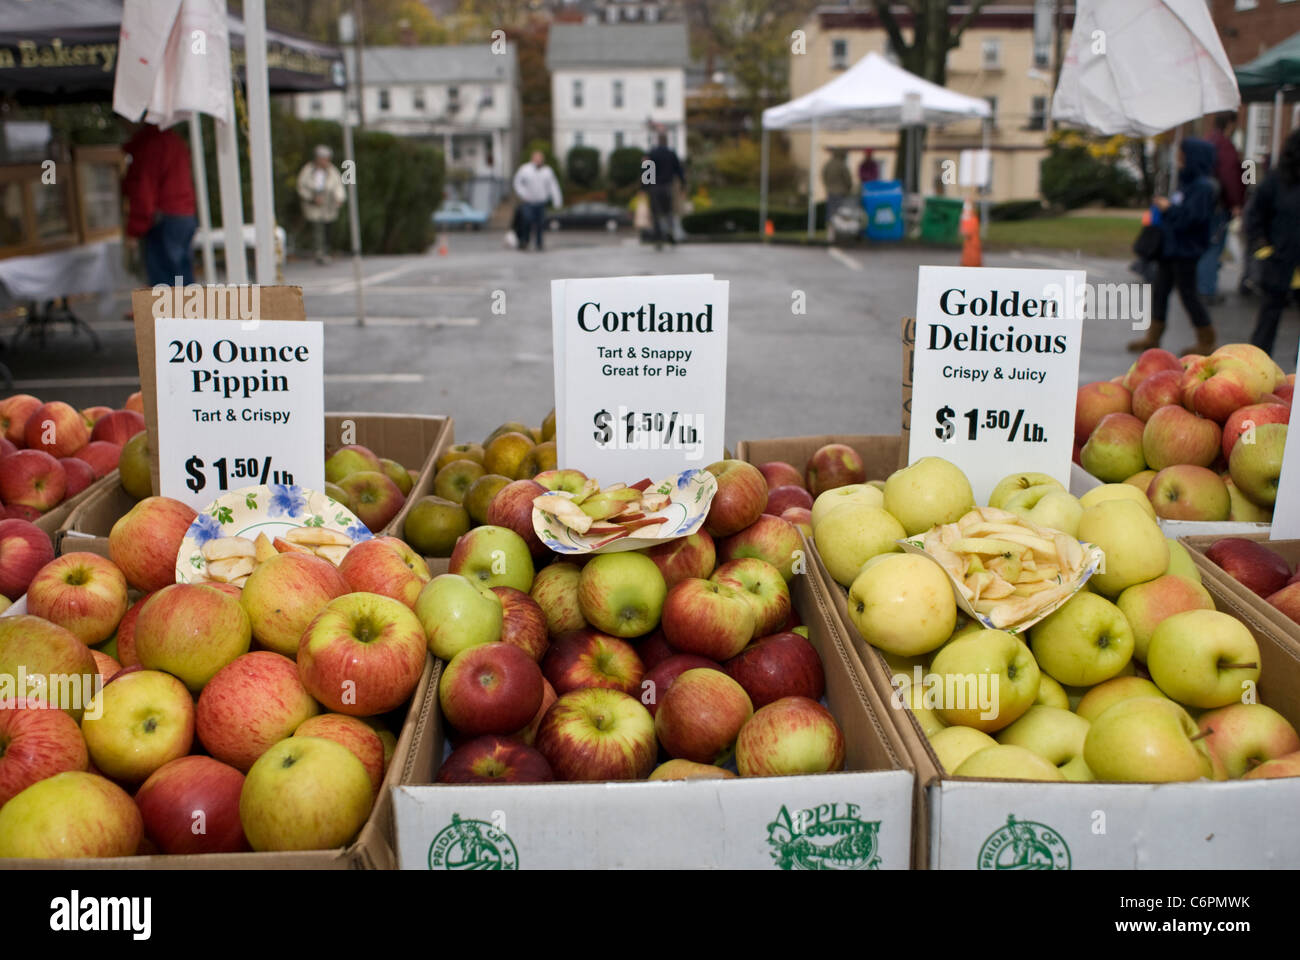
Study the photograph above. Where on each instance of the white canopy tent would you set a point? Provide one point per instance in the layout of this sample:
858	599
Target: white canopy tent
871	93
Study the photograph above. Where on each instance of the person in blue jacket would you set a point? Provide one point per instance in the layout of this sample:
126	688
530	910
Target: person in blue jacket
1185	220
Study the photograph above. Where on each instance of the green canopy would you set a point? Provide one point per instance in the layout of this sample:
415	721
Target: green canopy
1276	68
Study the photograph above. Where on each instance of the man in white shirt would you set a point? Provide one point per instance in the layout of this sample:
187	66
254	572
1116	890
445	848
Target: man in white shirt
535	185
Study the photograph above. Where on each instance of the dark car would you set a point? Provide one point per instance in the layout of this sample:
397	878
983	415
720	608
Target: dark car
589	216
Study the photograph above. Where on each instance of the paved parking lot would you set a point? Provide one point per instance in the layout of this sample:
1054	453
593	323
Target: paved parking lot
469	333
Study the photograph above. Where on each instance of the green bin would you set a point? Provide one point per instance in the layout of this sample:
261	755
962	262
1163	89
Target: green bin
941	220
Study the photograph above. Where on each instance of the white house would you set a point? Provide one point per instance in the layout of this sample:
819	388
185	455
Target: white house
465	99
617	85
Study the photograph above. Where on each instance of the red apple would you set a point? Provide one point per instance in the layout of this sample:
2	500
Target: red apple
126	654
352	733
144	542
762	585
24	549
135	402
71	814
1150	363
6	447
14	412
57	428
598	734
512	508
739	500
1174	436
781	499
1288	600
373	497
768	538
105	665
32	478
102	457
81	592
490	688
1189	492
778	473
36	743
191	632
1285	393
41	650
780	665
15	512
800	518
1245	419
191	805
661	676
834	465
387	566
363	654
1159	390
78	475
708	618
555	589
1095	401
529	733
1241	736
1251	564
700	716
251	703
684	557
1218	385
589	658
654	648
285	593
118	427
494	759
523	623
794	735
92	415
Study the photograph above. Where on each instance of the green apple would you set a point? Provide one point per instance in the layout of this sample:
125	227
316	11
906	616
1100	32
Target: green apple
1203	658
70	814
1094	703
457	614
1181	563
434	526
1054	734
952	745
828	500
1013	486
929	492
1256	468
1135	549
396	473
1146	739
304	793
1083	642
910	696
1147	605
903	605
851	534
1241	510
989	679
493	557
1049	507
1117	491
1051	693
622	594
1008	762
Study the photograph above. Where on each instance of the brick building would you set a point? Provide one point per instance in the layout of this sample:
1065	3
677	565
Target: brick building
1248	28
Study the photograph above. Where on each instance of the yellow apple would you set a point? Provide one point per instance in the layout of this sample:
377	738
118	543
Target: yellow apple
1094	703
1118	491
1135	549
850	535
1054	734
988	680
850	493
929	492
904	604
1005	761
952	745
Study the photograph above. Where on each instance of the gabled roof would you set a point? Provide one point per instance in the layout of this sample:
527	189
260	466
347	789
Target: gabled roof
617	45
471	63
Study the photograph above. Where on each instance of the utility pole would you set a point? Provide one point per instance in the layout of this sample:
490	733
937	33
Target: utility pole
359	42
1059	54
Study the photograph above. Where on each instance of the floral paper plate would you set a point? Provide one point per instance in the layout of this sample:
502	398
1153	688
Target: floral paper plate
689	493
273	509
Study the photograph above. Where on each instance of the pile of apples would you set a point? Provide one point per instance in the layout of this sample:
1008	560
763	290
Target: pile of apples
374	488
1137	677
50	452
1260	570
469	477
202	718
668	662
1201	436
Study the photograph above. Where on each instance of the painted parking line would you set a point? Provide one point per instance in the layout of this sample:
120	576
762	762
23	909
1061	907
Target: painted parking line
842	257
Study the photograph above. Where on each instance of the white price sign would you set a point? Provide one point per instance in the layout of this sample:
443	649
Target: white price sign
996	370
640	374
1286	511
238	405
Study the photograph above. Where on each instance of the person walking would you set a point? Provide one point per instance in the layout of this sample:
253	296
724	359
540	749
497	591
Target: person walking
535	185
869	168
1232	194
1274	217
1184	221
320	188
837	180
666	172
159	191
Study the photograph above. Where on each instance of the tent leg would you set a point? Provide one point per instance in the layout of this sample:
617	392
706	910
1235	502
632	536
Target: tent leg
354	222
1277	129
762	186
232	201
259	139
986	189
200	164
812	174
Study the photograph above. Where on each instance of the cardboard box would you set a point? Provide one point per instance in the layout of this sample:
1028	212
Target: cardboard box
373	848
880	454
742	823
1081	481
415	441
1288	550
54	519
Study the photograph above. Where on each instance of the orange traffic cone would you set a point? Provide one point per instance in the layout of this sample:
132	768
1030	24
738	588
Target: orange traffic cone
972	255
768	228
442	244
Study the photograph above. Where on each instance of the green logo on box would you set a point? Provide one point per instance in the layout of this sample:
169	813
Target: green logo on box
472	845
829	836
1024	845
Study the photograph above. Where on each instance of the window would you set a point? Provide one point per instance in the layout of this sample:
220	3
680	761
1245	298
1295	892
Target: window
618	139
1259	130
651	14
384	101
487	97
417	99
618	94
993	110
1037	113
839	54
577	138
317	106
1246	4
991	53
1042	56
453	100
661	93
577	94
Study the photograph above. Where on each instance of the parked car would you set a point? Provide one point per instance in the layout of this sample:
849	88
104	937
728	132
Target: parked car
589	216
458	213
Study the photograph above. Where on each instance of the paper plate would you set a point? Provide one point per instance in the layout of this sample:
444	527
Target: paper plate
271	508
689	493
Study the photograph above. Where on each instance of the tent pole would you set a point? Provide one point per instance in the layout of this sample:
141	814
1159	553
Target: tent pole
200	164
259	139
986	189
1277	128
812	173
762	186
232	200
354	221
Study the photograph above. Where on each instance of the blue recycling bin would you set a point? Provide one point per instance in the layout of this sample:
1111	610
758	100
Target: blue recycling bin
883	202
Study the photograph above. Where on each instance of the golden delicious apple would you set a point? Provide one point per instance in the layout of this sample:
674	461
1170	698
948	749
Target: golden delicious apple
952	745
1008	762
1083	642
1146	739
1118	491
989	679
1203	658
1094	703
850	493
1018	483
853	533
929	492
903	605
1054	734
1135	549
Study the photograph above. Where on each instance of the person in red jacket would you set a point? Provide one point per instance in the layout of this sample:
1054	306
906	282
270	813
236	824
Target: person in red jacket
1232	195
159	191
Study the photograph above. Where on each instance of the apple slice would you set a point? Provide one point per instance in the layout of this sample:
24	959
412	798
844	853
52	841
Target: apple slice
230	569
650	502
318	537
588	488
264	549
565	511
601	528
642	485
644	522
621	533
332	552
284	546
225	548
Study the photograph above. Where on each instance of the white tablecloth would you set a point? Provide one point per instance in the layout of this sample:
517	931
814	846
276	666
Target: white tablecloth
93	268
